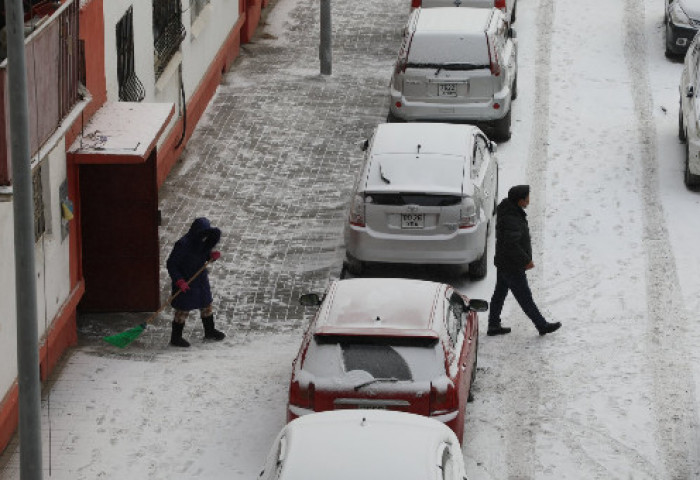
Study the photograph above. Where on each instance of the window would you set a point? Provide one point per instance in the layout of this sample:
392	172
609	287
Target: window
168	32
39	219
130	87
196	7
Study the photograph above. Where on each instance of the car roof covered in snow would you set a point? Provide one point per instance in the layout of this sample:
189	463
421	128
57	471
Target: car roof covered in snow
367	444
380	307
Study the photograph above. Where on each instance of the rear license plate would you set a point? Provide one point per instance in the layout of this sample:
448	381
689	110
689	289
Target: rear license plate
447	89
412	220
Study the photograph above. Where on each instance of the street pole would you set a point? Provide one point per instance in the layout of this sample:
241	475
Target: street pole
25	270
325	47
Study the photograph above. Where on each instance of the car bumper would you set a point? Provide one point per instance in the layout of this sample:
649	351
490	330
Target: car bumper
678	37
450	418
461	247
483	112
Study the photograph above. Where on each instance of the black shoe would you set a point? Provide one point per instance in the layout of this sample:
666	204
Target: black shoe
497	330
549	328
176	339
211	333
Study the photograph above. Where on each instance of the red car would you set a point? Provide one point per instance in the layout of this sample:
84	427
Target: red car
388	343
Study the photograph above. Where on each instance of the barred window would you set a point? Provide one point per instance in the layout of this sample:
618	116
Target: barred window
39	219
130	87
168	32
196	7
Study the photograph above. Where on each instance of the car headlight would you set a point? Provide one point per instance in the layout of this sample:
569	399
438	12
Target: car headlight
678	16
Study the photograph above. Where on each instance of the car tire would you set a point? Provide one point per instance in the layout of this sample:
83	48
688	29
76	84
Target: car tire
692	181
354	266
470	397
391	118
512	13
502	127
514	88
681	128
478	268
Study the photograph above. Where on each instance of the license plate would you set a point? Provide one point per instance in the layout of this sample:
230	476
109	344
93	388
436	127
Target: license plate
412	220
447	89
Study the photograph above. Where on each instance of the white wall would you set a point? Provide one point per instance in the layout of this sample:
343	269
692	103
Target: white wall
8	307
197	50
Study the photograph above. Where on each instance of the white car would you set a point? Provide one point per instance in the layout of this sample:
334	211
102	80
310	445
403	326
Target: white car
506	6
364	444
425	195
689	113
456	65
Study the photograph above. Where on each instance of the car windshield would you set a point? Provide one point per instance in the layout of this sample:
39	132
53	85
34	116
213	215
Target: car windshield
385	359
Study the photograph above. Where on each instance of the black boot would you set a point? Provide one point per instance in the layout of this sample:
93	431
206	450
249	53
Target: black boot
549	328
497	329
211	333
176	339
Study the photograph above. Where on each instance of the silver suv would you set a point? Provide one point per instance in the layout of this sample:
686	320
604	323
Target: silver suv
689	113
506	6
456	65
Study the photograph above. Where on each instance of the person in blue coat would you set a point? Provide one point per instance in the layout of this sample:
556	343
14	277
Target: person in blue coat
189	254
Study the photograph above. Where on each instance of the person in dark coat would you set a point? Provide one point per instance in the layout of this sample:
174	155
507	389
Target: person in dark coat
189	254
513	258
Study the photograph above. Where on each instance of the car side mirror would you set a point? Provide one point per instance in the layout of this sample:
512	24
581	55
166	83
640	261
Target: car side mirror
478	305
690	91
310	300
493	147
511	33
365	145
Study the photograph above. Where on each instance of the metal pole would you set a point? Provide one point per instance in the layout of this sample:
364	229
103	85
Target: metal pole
25	276
325	47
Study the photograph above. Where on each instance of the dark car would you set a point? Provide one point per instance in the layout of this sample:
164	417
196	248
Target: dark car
682	21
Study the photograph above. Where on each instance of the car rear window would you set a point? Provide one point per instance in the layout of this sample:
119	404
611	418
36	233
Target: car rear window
421	199
414	359
437	49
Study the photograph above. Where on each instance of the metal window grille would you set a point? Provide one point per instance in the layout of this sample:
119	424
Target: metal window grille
196	7
39	219
168	32
130	87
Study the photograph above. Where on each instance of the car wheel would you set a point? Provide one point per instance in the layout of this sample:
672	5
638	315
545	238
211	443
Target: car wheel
514	88
470	398
681	128
502	127
692	181
354	266
391	118
512	13
478	268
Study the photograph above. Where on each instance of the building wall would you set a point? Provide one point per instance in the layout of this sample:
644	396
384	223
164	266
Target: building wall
8	306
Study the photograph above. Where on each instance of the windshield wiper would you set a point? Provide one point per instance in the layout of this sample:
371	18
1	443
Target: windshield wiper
447	66
375	380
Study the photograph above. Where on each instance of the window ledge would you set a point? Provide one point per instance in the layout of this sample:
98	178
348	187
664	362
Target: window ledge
169	71
201	21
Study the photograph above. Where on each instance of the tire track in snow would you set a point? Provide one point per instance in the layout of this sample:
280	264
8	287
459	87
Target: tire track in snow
673	392
526	396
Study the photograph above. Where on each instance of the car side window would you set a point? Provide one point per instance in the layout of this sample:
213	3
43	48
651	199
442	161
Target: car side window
455	317
447	463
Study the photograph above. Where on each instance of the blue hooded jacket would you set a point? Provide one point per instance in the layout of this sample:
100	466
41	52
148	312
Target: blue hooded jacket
189	254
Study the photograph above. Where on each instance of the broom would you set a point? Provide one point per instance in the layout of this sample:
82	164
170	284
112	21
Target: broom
123	339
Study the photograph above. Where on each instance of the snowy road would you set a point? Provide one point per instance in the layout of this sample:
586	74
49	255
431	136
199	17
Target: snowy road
612	395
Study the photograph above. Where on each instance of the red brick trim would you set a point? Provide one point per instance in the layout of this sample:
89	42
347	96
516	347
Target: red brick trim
9	415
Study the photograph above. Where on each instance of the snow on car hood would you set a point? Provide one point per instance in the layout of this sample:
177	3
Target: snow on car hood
430	173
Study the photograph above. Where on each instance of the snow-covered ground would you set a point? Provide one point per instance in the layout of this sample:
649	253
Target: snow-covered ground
612	395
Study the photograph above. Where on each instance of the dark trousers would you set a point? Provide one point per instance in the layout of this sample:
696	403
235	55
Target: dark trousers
516	282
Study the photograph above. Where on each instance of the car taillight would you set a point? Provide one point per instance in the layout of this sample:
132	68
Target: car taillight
467	213
443	399
357	211
416	3
500	4
493	58
302	395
